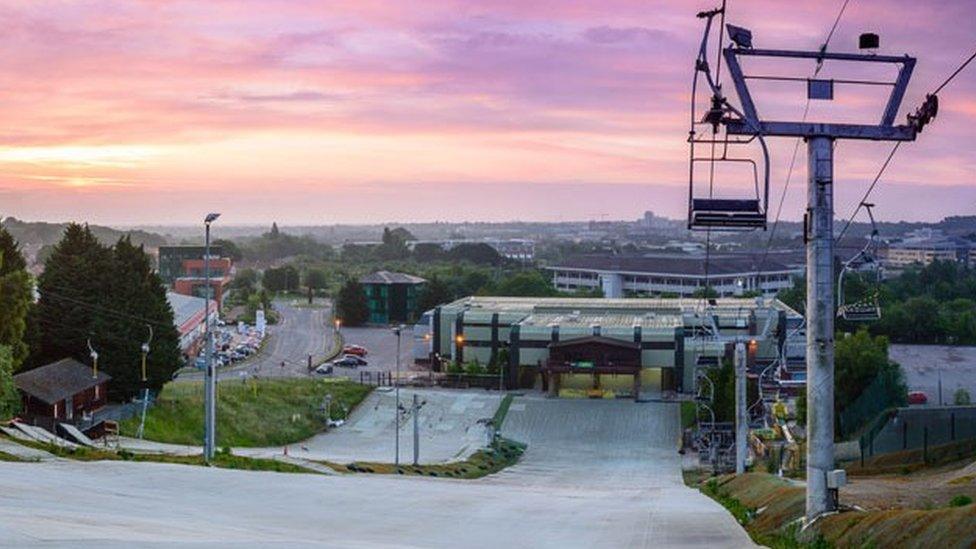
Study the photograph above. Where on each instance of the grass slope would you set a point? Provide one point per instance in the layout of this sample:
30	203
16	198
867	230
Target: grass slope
268	412
768	507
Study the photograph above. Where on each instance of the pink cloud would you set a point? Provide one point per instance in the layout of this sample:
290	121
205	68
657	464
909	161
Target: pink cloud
581	82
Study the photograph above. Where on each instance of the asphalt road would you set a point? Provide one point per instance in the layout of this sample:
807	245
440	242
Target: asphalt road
597	474
300	332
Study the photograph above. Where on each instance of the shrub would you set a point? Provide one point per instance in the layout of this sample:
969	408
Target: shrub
960	501
474	369
962	398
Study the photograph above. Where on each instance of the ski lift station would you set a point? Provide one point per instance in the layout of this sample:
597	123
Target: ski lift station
610	347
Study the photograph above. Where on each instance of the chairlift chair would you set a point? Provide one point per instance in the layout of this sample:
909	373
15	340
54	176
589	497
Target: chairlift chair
710	212
865	262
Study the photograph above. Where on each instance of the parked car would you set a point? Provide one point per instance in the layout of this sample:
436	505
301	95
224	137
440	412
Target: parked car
348	362
917	397
358	360
357	350
324	369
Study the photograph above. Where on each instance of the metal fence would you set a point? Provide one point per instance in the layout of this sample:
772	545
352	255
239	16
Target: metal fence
883	393
918	428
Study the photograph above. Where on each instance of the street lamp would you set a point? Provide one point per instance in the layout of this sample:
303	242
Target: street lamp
94	356
396	384
145	351
145	387
210	384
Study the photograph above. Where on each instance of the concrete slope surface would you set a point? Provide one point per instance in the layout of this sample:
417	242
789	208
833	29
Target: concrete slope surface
598	474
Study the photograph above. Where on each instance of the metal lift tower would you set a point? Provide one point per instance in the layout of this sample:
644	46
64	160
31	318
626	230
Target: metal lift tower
745	122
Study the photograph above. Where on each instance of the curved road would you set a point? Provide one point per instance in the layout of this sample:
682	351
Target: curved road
300	332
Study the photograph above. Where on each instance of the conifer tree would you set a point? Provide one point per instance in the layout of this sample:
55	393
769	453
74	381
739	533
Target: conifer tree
74	284
15	299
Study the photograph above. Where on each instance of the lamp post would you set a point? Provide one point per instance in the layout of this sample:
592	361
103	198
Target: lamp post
210	384
94	356
145	387
396	389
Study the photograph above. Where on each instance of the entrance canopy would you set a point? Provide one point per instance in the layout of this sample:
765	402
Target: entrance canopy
594	354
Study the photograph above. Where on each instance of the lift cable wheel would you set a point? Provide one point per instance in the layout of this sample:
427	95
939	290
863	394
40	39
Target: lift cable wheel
865	266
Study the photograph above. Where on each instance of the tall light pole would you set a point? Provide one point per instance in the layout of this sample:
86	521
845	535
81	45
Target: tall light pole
210	382
94	356
145	386
396	389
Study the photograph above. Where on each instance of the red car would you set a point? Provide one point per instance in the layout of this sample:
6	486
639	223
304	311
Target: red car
357	350
917	397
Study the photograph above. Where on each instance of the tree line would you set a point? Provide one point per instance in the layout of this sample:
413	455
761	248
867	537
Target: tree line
88	294
932	304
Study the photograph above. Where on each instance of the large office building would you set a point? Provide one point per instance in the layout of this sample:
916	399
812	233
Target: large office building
182	268
678	274
518	249
622	345
392	297
924	246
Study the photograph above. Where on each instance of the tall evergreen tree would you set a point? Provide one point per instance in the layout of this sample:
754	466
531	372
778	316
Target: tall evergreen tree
73	286
140	296
107	296
351	303
9	397
435	293
12	260
15	299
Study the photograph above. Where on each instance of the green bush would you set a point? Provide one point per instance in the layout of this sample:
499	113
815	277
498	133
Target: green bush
960	501
474	369
962	398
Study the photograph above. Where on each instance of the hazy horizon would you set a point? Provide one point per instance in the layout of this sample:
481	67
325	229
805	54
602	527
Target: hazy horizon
367	112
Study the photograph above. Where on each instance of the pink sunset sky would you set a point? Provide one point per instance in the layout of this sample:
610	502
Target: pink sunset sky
157	111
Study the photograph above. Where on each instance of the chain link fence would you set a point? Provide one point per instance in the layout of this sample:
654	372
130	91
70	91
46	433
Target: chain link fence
884	393
918	428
